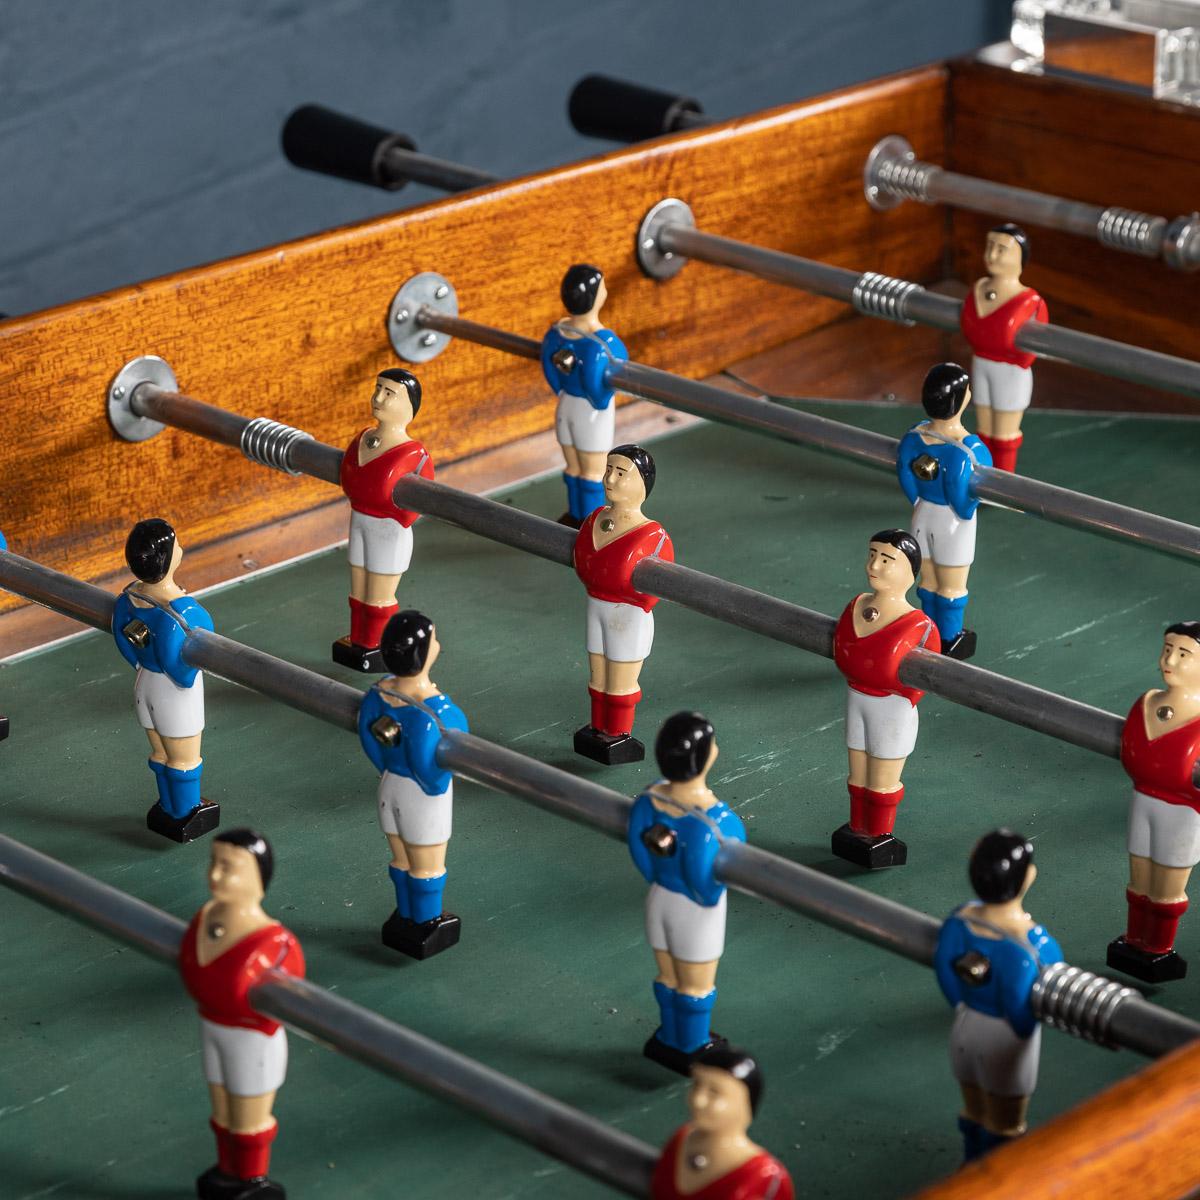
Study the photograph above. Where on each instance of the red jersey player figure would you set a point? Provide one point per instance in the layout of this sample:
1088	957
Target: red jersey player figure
994	312
875	632
711	1157
227	949
1160	749
381	537
620	621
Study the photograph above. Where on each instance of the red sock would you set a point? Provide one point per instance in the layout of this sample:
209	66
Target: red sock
225	1160
599	708
356	621
880	810
1004	451
252	1152
619	714
858	807
1135	927
374	618
1162	924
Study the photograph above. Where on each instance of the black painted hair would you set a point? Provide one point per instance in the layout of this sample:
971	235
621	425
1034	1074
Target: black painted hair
739	1064
580	286
640	459
148	549
999	864
405	643
411	384
905	543
247	839
1184	629
1018	235
682	746
944	391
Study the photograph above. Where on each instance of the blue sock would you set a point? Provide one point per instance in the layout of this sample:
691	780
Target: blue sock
691	1020
949	618
665	996
591	497
971	1134
572	483
399	879
928	602
160	779
425	897
183	791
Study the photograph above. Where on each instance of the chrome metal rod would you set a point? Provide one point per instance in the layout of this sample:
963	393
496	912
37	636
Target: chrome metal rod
1076	510
893	174
900	300
547	1124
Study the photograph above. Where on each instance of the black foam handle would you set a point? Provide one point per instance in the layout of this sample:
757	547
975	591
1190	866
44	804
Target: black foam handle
318	139
603	107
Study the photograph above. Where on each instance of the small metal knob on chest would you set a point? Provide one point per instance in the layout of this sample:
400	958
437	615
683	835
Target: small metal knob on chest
925	467
660	840
564	359
386	731
137	633
973	968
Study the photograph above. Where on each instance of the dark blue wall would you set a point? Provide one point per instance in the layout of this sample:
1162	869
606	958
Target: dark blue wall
141	136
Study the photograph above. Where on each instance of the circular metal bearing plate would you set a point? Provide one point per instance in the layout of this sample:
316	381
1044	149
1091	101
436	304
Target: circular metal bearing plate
409	340
147	369
1181	245
892	146
656	262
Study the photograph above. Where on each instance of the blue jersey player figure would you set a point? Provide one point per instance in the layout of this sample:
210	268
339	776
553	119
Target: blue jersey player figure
989	955
150	623
936	465
576	354
400	723
676	829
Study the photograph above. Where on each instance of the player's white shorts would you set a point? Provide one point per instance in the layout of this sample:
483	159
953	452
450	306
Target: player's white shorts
379	544
1003	386
578	424
883	726
688	931
244	1061
621	632
170	710
1168	834
985	1052
406	811
942	535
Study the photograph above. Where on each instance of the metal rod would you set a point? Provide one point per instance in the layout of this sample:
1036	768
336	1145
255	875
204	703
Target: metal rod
900	300
1060	505
756	872
550	1126
893	174
410	166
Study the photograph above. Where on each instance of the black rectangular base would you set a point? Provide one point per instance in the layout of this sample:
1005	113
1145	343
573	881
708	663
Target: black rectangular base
874	853
214	1184
675	1060
962	646
1142	964
3	728
196	824
358	658
421	941
606	749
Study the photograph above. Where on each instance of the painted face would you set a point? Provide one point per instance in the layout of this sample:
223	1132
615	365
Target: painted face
233	875
623	482
1002	255
888	568
390	402
718	1102
1180	661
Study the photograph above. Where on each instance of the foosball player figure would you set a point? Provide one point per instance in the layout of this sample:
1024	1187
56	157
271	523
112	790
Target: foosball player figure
989	955
996	309
381	540
676	829
936	464
1160	750
150	623
620	620
576	354
227	949
712	1155
874	634
400	723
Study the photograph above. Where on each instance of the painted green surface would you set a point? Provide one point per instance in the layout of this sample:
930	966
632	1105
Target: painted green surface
100	1085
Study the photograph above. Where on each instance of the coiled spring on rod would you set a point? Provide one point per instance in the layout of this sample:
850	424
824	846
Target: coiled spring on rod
1078	1002
906	177
270	443
883	296
1134	232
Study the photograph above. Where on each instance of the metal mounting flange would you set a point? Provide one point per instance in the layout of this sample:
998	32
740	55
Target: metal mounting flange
652	258
886	149
409	340
1181	243
126	423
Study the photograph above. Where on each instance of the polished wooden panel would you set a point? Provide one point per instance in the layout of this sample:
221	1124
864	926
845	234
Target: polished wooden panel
297	332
